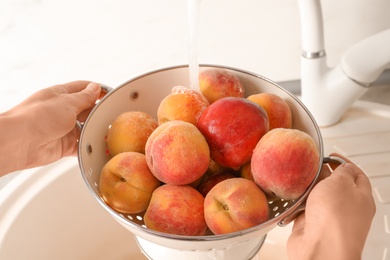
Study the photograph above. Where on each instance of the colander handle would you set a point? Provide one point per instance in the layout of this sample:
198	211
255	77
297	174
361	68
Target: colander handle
287	220
104	91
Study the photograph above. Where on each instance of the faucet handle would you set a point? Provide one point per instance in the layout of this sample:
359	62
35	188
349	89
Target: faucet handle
365	61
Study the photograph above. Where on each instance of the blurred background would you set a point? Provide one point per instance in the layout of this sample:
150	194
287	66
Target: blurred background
47	42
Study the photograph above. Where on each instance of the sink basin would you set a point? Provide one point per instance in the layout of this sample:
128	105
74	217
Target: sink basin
47	213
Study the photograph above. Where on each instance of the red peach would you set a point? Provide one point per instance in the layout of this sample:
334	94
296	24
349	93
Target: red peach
177	153
232	128
176	210
219	83
235	204
208	183
285	162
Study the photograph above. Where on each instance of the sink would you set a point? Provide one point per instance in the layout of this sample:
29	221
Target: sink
48	213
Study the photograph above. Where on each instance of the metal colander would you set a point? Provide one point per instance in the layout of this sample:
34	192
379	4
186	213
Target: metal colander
144	93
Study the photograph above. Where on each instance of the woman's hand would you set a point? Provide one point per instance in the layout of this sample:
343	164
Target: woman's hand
42	129
337	219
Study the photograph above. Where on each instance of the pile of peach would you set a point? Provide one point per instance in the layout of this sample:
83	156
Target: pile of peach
209	161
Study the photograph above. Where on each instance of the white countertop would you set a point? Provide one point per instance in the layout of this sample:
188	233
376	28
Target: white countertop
43	43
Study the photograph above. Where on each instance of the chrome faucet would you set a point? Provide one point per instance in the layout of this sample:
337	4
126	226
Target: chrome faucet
329	92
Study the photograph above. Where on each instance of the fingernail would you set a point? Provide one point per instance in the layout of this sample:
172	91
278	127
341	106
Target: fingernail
93	86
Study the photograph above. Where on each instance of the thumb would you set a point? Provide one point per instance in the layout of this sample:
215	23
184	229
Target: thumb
86	98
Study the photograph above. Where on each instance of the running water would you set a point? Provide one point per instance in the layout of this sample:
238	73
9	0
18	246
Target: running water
193	22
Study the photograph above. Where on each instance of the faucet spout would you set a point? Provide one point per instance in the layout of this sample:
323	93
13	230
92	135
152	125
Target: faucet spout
329	92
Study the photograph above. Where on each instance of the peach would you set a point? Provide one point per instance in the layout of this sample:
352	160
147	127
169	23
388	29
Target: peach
215	168
208	183
235	204
285	162
181	104
278	111
129	132
177	153
217	83
177	210
246	171
126	183
232	128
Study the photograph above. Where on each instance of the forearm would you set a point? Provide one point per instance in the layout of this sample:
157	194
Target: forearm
333	243
13	143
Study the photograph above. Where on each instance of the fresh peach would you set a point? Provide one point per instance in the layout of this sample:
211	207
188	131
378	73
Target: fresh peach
129	132
177	210
126	183
219	83
208	183
278	111
232	127
181	104
235	204
177	153
285	162
246	171
215	168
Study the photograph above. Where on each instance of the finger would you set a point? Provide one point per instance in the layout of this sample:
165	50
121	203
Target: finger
325	172
299	223
74	86
86	98
360	178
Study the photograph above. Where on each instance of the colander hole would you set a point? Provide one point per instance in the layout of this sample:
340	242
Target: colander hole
130	217
134	95
277	214
96	185
139	218
275	208
88	148
285	204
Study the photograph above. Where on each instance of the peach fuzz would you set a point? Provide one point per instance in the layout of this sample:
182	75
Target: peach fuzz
232	127
129	132
285	162
235	204
181	104
176	210
217	83
278	111
177	153
126	183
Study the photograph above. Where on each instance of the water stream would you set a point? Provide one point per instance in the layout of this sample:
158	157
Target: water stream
193	24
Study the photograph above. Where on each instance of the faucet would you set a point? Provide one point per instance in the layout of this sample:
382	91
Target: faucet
329	92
